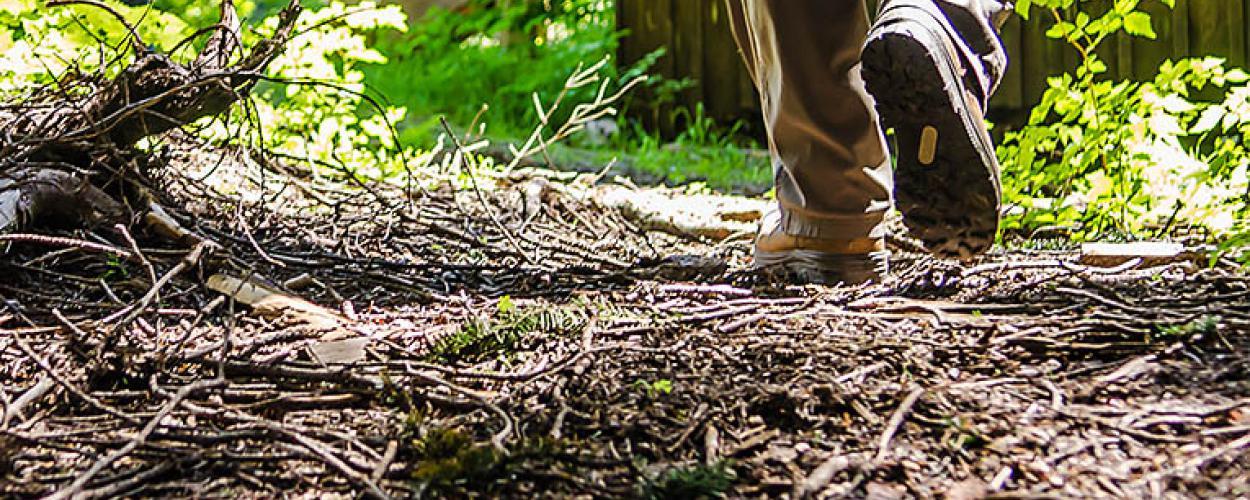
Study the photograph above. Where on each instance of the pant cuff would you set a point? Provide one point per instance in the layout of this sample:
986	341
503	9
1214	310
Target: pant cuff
845	227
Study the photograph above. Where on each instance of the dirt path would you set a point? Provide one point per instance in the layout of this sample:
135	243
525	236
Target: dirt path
538	345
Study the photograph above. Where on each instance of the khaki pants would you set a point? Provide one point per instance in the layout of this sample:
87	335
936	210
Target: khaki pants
831	165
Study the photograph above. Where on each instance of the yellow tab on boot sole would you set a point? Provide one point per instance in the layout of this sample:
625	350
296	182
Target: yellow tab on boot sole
928	145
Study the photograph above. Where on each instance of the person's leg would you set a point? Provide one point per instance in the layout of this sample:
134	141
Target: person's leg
831	168
932	66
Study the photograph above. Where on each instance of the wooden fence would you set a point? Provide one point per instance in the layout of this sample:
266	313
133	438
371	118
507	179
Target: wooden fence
699	44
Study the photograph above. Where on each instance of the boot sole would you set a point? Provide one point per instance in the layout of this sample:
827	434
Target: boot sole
818	268
946	180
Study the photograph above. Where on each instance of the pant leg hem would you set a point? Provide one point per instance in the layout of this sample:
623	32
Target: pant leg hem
869	225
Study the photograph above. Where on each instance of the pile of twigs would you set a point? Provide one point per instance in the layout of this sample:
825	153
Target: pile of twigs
1024	375
515	338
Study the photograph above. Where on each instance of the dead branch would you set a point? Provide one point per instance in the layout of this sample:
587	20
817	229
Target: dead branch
90	134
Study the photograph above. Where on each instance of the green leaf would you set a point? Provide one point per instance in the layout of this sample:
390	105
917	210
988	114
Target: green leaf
506	306
1138	24
1176	104
1022	8
1211	118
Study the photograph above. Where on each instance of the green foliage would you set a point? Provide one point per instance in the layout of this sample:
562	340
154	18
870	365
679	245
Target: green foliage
693	482
445	459
312	108
317	108
1205	325
1127	159
455	63
963	436
703	151
39	44
449	457
656	387
499	334
482	67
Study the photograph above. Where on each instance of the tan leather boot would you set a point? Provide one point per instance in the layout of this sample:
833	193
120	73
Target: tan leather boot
824	261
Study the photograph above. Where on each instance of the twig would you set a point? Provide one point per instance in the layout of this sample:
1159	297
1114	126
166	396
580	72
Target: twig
82	480
823	474
896	421
134	247
326	455
136	42
388	456
134	311
43	364
115	489
31	395
502	436
466	165
57	241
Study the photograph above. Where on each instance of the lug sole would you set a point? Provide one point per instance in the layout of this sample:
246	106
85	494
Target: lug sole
946	178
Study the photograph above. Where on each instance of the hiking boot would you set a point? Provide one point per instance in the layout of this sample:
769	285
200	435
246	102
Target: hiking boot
821	261
931	85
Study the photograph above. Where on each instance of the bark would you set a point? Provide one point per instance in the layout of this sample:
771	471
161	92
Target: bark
53	197
41	143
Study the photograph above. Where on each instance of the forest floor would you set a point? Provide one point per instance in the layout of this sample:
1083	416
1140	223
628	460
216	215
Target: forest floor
530	341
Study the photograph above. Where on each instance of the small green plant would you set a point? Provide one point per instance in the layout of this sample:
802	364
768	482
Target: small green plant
655	387
1205	325
445	459
1125	159
963	436
499	334
114	269
449	457
693	482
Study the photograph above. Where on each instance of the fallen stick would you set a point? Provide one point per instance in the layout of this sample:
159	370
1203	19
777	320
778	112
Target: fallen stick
896	421
31	395
823	474
75	487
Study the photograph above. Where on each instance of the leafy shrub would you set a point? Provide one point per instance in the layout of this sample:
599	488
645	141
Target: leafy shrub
38	44
312	107
1127	159
455	63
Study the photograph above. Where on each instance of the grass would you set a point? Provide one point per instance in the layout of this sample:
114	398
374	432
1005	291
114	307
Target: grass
482	68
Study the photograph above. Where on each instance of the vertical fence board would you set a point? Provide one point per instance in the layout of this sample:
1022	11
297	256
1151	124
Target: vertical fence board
1148	54
1235	25
1011	90
1180	29
1208	31
723	70
689	24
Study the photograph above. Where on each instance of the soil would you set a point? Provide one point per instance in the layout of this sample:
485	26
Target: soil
524	341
